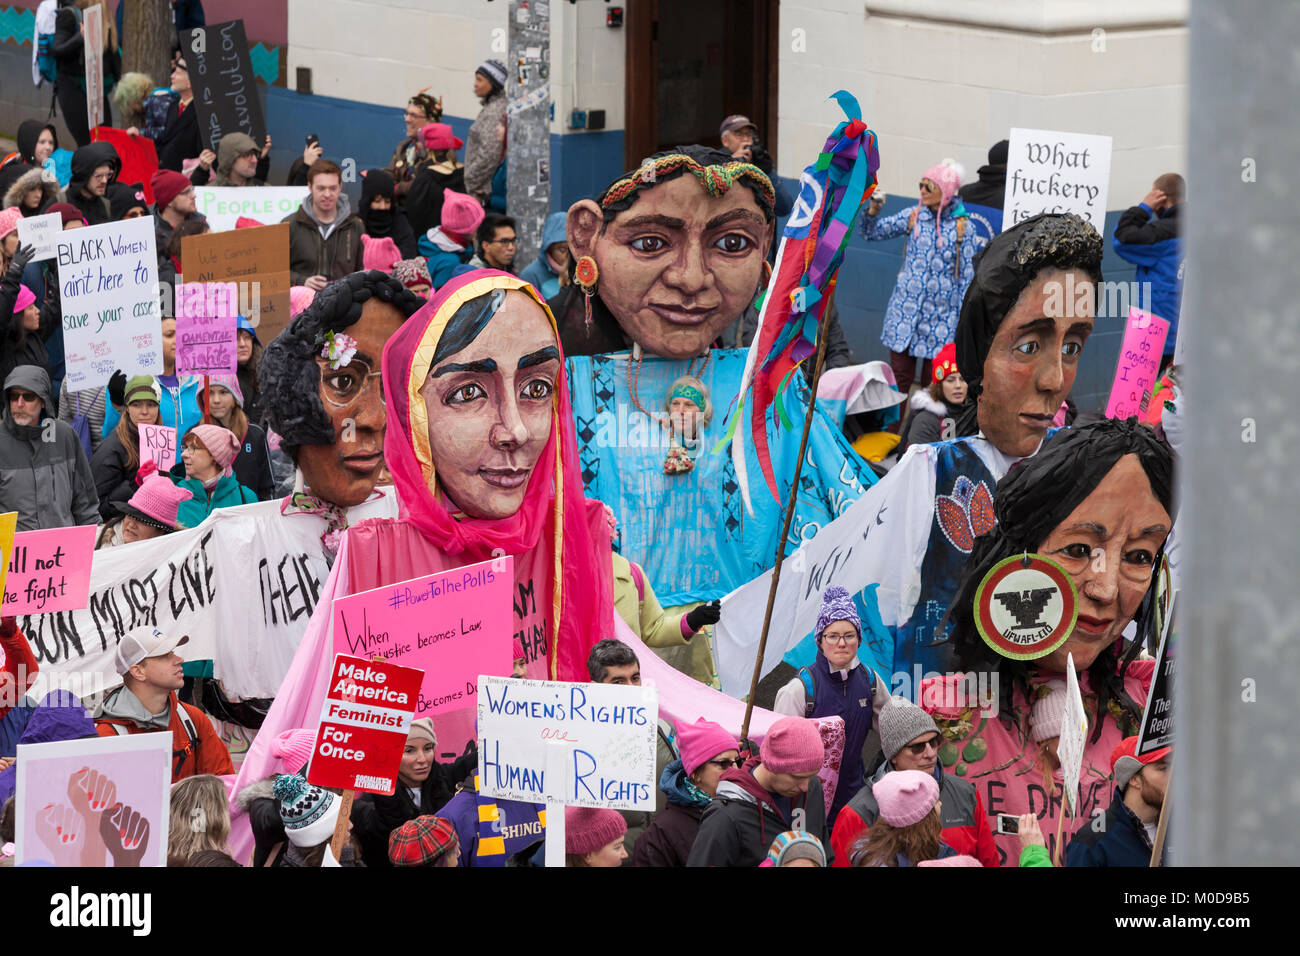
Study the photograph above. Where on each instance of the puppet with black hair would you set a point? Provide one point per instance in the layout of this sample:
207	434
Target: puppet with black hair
1097	501
666	258
320	386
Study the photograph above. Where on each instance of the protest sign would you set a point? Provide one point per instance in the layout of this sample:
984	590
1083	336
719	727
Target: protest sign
138	154
364	721
225	205
205	345
453	625
96	801
108	280
49	570
221	74
1157	730
256	260
8	525
1074	734
158	444
608	733
39	232
1139	364
1052	171
92	33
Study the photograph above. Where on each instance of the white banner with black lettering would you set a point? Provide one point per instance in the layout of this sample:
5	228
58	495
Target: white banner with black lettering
242	586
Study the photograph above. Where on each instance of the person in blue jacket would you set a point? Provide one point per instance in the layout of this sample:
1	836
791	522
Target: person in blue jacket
178	402
550	270
1149	236
1125	836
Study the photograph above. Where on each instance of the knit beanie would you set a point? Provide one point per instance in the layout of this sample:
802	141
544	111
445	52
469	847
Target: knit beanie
461	214
220	442
586	830
25	298
423	728
792	745
701	741
795	845
1048	712
308	812
167	184
516	650
901	722
412	272
947	177
905	796
421	842
9	219
945	363
959	860
299	298
293	748
142	388
155	503
495	71
229	382
837	606
379	253
439	137
70	213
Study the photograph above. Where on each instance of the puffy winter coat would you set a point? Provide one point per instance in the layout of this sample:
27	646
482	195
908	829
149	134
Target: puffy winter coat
48	483
1153	244
202	752
740	824
226	494
669	838
539	272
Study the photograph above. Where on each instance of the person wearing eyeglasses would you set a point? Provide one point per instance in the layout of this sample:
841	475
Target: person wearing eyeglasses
94	169
690	783
938	265
497	241
910	740
837	684
207	453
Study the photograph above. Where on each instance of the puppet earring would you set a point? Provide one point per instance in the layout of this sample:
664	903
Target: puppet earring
586	275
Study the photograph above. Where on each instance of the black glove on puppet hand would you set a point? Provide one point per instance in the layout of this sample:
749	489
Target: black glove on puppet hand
704	614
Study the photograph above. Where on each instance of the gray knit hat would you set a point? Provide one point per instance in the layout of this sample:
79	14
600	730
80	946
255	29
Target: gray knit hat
901	722
495	71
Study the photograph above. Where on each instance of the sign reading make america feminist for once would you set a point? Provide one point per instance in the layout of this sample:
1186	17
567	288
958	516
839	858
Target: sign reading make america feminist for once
108	281
454	625
605	735
221	73
364	720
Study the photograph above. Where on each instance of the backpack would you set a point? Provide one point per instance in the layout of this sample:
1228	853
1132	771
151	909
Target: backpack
43	65
155	107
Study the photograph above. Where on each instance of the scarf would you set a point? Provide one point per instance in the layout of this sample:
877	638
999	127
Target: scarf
336	517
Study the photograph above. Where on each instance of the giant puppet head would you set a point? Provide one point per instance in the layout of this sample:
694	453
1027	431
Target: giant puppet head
320	379
1024	321
679	246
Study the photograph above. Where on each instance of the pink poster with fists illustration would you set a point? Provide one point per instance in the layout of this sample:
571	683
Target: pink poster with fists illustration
98	801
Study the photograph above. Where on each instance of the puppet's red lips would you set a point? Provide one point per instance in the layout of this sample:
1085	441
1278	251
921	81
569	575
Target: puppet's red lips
1092	625
1038	421
504	477
362	464
680	315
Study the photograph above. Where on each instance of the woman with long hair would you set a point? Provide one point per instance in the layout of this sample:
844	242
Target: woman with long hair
252	464
907	831
200	817
248	356
116	461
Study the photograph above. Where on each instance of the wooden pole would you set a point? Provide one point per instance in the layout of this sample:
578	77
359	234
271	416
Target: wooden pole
341	827
789	512
1158	847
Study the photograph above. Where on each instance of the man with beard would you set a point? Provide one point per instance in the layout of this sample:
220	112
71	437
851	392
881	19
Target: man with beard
1126	834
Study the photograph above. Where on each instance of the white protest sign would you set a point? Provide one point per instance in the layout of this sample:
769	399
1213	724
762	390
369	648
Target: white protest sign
608	732
93	68
108	280
1074	733
1052	171
40	233
224	205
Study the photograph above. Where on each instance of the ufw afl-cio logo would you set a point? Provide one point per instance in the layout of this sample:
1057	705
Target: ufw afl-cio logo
1026	607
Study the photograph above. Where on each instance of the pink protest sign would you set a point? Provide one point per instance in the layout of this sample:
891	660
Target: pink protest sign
49	571
205	345
1139	361
158	444
454	626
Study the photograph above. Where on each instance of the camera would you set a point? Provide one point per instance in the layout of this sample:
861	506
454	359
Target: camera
1008	823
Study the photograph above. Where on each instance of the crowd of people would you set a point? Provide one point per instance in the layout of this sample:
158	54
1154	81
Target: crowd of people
472	426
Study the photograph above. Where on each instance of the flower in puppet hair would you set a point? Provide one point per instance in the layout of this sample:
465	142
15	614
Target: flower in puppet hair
338	349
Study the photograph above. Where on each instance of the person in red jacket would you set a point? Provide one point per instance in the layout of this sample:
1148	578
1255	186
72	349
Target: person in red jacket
147	703
910	740
16	675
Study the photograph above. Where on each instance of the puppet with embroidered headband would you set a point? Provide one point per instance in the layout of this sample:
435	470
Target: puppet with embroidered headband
667	257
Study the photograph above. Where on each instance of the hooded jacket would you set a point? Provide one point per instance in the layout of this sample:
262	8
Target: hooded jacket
48	483
539	272
1119	840
446	257
84	163
742	821
59	716
965	824
385	223
20	667
29	133
30	180
232	146
333	256
668	840
122	712
227	493
23	347
1153	243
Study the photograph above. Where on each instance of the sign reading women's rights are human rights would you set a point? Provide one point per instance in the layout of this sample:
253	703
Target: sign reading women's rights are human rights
108	281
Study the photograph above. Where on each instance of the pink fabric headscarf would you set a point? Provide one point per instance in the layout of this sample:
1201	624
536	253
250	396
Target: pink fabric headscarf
948	180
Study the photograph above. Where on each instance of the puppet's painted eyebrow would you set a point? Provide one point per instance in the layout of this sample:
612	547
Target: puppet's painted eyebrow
734	214
484	366
667	222
540	356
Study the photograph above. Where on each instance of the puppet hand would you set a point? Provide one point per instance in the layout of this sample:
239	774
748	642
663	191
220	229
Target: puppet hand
126	833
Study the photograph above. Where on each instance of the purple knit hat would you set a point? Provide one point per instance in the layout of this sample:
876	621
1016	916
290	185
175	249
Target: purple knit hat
155	502
837	606
587	830
793	745
701	741
905	796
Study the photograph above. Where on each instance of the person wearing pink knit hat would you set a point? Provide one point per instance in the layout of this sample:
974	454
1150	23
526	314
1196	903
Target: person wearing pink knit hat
518	659
907	830
380	253
206	452
708	751
448	246
756	802
593	837
150	512
9	219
